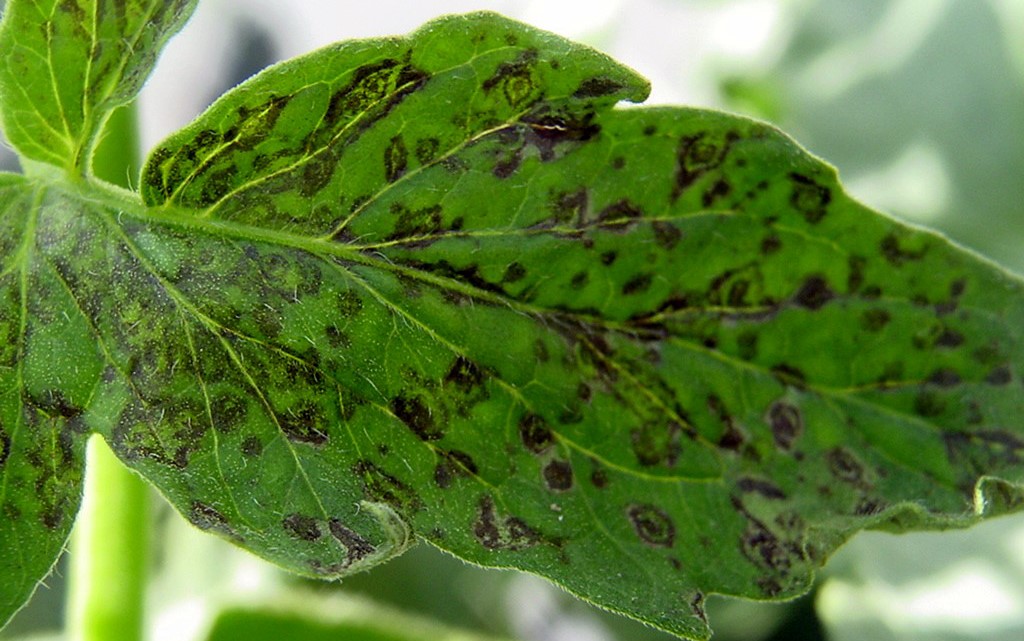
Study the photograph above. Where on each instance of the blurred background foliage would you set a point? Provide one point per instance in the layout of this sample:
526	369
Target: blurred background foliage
919	103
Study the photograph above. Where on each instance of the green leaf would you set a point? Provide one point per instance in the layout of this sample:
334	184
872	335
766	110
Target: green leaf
66	64
41	438
621	349
437	286
305	617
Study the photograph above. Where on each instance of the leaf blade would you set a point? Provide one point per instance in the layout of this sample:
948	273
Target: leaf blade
41	443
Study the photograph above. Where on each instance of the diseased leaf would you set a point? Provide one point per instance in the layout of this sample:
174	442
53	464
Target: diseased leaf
41	436
66	64
438	286
625	350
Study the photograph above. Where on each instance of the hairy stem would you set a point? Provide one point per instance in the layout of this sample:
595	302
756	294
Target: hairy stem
110	543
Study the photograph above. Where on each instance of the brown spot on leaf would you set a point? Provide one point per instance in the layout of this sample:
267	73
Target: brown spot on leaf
299	526
356	547
570	207
465	374
228	412
945	377
252	447
637	284
535	433
558	475
349	304
206	517
814	293
666	234
426	149
652	525
770	244
453	464
845	466
513	534
417	417
396	159
303	425
657	443
514	273
896	254
384	487
929	405
579	280
789	375
809	197
5	447
765	488
875	320
696	155
720	189
999	376
597	87
786	424
515	79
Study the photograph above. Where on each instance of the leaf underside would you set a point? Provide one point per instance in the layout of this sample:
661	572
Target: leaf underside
438	286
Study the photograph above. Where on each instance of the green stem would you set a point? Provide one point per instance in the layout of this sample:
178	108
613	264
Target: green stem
110	543
109	552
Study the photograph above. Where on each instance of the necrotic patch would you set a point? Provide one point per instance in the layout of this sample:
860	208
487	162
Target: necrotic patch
417	416
558	475
485	529
299	526
786	423
652	525
303	424
515	79
382	487
252	447
5	447
453	464
845	466
465	374
535	433
206	517
809	198
763	487
396	159
814	293
228	411
357	547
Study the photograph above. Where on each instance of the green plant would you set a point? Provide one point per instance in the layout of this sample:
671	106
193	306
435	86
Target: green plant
438	286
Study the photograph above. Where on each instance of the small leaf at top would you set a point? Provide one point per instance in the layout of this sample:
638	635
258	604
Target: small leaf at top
66	64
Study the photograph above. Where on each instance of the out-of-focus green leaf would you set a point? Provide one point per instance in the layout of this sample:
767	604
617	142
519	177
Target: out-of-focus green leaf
953	586
313	619
66	64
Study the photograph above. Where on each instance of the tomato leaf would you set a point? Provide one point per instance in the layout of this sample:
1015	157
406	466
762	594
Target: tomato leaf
438	286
